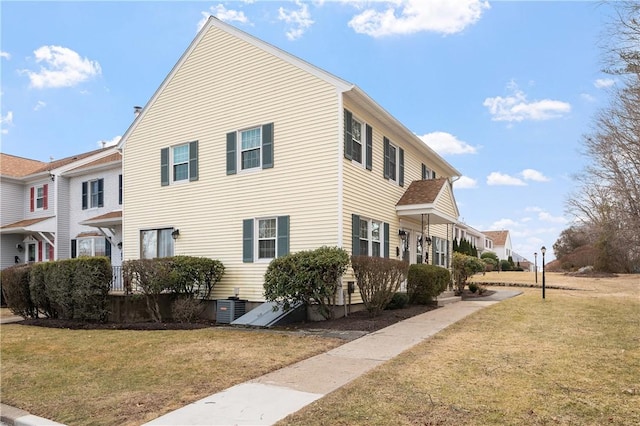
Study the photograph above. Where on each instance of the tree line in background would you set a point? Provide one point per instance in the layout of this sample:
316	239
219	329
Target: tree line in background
606	204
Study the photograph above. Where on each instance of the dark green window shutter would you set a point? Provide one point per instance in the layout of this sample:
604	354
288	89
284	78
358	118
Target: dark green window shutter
267	146
100	192
348	137
433	175
355	235
164	166
283	236
385	142
247	240
107	248
401	168
424	172
231	153
85	195
386	239
193	160
120	189
369	147
74	250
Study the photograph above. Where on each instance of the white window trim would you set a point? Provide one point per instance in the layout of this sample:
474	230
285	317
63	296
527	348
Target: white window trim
240	150
172	164
363	142
36	198
160	228
369	238
93	246
256	240
90	194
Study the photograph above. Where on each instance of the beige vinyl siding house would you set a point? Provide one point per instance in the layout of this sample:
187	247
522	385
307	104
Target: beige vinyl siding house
240	156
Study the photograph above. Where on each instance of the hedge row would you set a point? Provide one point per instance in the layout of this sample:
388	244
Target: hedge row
73	289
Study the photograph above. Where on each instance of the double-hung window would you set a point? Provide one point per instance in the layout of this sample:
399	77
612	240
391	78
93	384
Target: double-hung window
393	162
156	243
358	140
265	238
370	237
93	194
39	197
179	163
440	252
250	149
427	173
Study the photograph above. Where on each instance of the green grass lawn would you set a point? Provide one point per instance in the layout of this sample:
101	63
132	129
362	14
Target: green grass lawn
115	377
572	359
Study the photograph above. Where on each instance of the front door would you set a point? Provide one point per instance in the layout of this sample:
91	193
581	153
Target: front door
31	252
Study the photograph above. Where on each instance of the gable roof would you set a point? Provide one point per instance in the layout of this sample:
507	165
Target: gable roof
499	237
430	197
341	86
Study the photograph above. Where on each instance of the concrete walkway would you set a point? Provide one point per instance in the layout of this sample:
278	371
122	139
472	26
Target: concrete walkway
272	397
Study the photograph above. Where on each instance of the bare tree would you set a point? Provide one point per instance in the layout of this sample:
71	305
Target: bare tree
608	195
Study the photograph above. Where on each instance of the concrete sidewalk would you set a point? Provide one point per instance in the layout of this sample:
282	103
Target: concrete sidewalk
272	397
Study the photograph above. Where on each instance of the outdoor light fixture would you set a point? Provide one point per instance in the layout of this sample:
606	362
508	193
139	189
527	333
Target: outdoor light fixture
119	245
543	250
52	176
428	240
175	234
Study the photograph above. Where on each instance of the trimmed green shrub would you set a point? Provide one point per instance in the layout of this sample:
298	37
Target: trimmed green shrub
59	287
473	287
196	276
505	265
309	277
90	288
398	301
151	277
425	282
40	276
378	280
15	287
463	267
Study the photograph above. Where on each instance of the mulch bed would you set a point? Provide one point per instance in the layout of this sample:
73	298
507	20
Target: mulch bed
356	321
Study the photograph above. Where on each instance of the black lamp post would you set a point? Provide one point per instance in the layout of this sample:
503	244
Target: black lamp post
535	264
543	250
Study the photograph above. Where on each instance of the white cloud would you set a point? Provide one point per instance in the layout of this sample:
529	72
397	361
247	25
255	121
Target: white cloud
412	16
504	224
445	143
465	182
587	97
223	14
61	67
547	217
497	178
39	105
516	107
7	120
5	55
602	83
299	20
530	174
111	142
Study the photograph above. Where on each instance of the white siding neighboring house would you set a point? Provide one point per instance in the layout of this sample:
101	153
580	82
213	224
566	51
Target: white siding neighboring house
476	238
246	153
40	215
501	243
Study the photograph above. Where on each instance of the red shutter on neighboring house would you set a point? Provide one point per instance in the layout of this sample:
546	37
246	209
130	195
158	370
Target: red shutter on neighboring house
45	201
39	251
33	197
50	252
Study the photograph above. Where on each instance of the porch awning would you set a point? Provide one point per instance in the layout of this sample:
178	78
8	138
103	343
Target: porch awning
106	220
429	197
30	226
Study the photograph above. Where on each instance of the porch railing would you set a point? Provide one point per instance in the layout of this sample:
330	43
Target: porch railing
117	282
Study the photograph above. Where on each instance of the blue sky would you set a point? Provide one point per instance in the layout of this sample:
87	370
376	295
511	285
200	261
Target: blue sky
502	90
